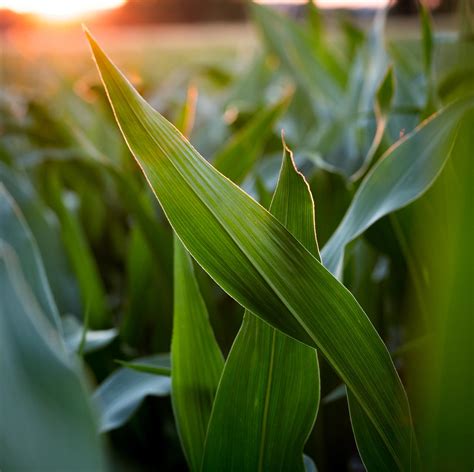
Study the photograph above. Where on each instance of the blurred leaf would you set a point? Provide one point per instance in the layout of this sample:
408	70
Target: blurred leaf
94	340
259	263
336	394
45	228
466	17
317	75
161	366
47	421
80	254
261	422
404	173
383	103
196	358
426	37
15	232
119	395
309	465
236	158
385	93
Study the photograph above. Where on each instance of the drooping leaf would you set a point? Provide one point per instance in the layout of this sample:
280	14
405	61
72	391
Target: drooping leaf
259	263
47	419
196	358
403	173
261	421
73	331
120	395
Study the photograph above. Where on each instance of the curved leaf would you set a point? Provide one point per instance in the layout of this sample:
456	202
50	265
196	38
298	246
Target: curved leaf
259	263
120	395
45	228
260	421
47	419
404	173
15	232
73	332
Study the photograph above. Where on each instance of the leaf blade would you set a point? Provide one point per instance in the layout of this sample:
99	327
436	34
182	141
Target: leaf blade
196	358
239	244
261	422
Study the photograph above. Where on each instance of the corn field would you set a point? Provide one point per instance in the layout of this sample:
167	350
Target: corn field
243	264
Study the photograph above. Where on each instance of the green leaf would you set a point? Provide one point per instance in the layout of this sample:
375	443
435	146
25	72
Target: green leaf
161	367
45	228
383	103
47	420
15	232
119	395
73	332
259	263
236	158
80	254
402	174
426	37
385	93
317	73
261	422
196	358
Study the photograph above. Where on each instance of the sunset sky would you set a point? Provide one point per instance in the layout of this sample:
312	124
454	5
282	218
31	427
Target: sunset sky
70	9
59	9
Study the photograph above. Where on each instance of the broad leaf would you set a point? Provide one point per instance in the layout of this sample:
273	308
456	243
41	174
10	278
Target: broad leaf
260	421
45	228
15	232
196	358
46	416
259	263
404	173
120	395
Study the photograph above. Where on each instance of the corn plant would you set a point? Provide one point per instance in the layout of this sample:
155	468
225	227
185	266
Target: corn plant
264	267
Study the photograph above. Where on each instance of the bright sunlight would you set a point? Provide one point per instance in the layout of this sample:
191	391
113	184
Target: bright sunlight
59	9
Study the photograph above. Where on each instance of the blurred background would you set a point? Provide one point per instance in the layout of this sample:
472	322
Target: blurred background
56	127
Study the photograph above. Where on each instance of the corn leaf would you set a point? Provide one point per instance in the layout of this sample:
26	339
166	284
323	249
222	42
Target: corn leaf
119	395
316	72
236	159
73	332
80	254
196	358
45	228
47	420
404	173
161	366
261	421
259	263
15	232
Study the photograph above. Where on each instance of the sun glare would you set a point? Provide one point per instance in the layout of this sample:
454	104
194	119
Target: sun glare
59	9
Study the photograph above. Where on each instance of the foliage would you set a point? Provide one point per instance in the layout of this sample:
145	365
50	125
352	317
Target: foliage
210	324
